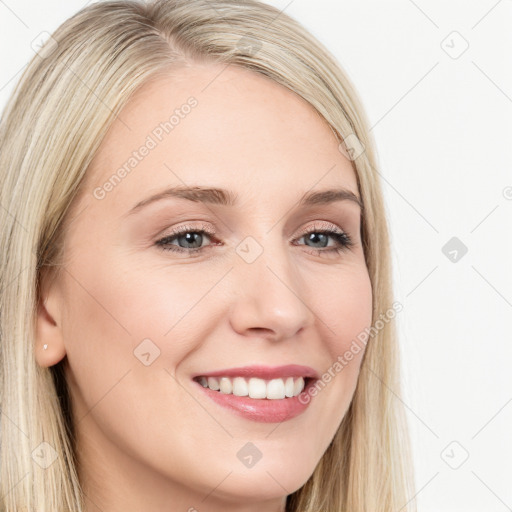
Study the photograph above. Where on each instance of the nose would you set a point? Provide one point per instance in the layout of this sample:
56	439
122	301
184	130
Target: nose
270	298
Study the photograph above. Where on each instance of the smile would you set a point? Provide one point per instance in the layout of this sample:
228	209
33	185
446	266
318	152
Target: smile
274	389
259	393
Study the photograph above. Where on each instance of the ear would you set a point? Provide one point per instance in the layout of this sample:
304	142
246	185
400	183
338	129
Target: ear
49	323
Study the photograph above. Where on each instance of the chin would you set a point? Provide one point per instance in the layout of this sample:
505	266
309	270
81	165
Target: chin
263	483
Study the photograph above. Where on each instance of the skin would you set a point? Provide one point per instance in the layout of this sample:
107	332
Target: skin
148	438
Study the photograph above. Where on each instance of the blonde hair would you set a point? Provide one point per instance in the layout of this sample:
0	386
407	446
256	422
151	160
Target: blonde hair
57	116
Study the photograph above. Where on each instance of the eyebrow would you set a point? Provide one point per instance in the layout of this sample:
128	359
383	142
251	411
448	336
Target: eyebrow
219	196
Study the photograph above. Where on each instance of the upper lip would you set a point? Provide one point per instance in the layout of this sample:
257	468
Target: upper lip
264	372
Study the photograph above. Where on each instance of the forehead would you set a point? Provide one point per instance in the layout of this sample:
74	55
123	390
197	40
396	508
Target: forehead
217	126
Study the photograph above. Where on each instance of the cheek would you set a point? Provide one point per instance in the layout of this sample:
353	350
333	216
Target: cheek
127	317
126	332
345	308
346	314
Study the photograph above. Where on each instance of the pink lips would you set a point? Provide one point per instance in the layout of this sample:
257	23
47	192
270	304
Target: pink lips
263	410
265	372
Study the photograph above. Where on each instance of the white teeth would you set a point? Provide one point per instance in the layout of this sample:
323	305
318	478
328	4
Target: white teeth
240	387
257	388
213	383
288	387
298	386
225	386
274	389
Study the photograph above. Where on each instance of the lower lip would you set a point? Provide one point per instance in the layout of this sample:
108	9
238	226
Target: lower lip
262	409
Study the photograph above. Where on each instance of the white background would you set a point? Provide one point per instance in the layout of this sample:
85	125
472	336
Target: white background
442	126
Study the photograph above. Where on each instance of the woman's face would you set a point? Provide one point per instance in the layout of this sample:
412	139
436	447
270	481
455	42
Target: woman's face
141	312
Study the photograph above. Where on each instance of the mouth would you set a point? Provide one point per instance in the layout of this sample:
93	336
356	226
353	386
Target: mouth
256	388
260	393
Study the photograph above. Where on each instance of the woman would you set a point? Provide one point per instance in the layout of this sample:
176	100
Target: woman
193	223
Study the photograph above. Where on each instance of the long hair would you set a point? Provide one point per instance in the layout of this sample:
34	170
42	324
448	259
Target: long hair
58	114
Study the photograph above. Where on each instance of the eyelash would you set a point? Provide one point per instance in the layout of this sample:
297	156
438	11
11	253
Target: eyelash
343	240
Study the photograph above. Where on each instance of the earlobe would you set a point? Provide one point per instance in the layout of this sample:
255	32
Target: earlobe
49	341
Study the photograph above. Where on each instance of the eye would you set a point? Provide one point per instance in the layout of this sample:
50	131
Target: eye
317	235
192	238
